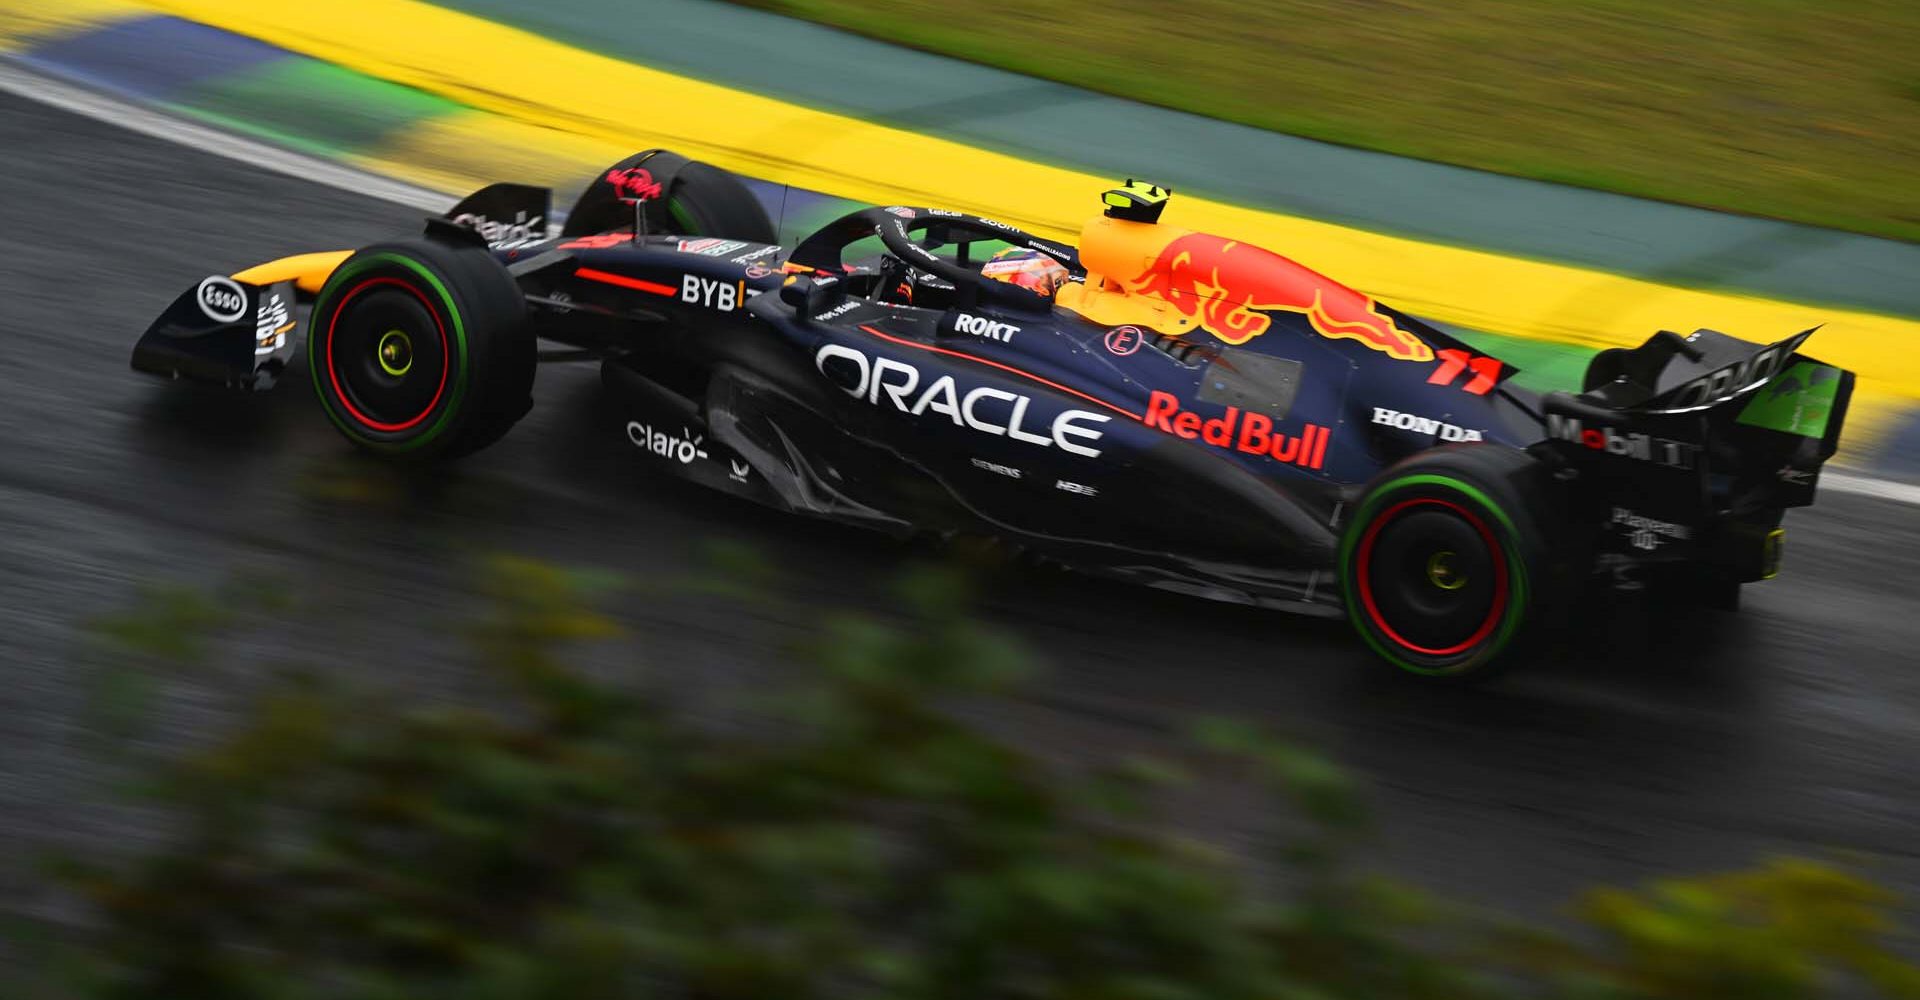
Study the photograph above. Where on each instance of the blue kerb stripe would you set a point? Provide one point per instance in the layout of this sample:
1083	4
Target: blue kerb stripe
1898	455
151	57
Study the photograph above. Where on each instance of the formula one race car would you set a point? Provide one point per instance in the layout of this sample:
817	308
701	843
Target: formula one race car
1156	404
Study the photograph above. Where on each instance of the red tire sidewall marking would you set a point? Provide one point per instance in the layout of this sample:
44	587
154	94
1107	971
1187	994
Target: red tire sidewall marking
1499	568
446	357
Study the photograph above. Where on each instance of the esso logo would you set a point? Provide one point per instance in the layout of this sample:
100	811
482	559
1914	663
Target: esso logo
222	300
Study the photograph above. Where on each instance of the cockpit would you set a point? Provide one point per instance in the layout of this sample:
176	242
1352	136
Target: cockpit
938	259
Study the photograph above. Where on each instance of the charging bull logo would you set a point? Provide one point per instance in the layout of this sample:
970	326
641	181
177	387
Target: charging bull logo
1230	286
635	183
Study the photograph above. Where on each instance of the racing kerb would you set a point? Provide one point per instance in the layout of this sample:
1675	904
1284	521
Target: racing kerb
451	101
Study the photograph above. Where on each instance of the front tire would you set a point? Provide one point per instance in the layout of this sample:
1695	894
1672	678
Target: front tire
421	350
1448	567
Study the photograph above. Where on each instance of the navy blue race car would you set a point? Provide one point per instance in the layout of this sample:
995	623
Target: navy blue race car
1152	403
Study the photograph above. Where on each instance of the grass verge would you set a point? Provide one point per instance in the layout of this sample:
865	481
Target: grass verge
1807	110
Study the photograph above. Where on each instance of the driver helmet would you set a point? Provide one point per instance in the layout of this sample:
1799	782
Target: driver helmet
1030	269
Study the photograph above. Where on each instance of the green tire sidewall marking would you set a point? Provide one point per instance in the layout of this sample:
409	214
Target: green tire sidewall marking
680	215
1516	571
458	376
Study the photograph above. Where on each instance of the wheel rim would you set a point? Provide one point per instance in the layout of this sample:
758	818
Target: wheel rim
395	353
1442	573
1432	577
386	355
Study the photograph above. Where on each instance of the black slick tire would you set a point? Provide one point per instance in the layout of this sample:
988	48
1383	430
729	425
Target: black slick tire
699	200
420	350
1449	566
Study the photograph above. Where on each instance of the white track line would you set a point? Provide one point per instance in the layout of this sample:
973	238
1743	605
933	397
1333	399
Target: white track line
147	121
159	125
1866	486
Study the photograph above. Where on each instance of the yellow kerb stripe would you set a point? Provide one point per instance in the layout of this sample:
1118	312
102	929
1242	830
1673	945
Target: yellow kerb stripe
578	103
24	22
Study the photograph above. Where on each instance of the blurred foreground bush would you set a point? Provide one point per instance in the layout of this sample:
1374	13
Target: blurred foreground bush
582	840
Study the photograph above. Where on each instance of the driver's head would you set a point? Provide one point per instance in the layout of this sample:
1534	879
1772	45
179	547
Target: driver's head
1030	269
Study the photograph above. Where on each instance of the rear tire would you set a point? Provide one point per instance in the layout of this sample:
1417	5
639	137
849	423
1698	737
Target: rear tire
1448	566
713	202
421	350
702	200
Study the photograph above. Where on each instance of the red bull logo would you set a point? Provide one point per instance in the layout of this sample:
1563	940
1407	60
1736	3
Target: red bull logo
1249	432
1228	287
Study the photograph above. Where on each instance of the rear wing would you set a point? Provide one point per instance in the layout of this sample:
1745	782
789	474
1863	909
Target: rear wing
1702	426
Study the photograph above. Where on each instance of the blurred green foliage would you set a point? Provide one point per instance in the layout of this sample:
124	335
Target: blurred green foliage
1796	109
583	838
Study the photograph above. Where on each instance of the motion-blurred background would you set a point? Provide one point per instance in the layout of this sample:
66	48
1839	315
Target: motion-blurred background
283	722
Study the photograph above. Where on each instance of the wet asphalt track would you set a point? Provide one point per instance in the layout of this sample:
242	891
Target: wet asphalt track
1792	727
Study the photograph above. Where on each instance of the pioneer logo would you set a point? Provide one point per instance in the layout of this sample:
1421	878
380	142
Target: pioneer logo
1640	447
882	381
1423	426
1645	533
